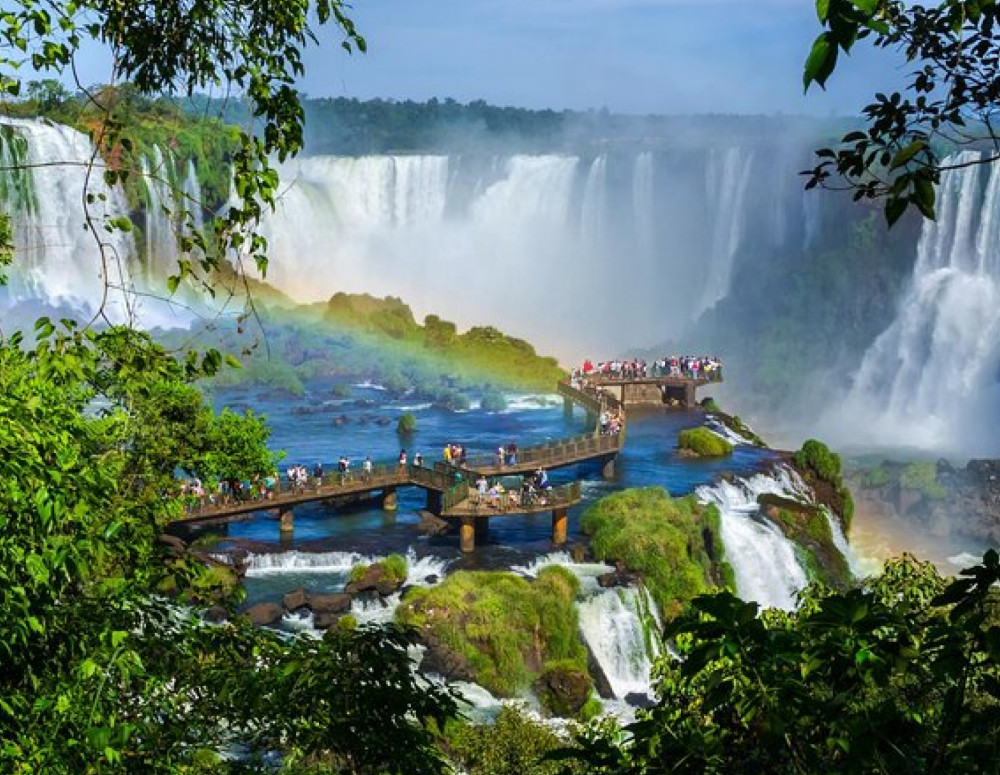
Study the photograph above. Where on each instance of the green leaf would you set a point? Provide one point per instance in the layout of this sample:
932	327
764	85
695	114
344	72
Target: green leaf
821	61
822	9
894	208
907	153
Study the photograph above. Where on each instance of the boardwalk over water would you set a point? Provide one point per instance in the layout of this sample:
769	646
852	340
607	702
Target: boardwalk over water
450	489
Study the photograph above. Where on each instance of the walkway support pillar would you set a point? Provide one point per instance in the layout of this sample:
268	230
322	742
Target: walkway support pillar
690	401
286	520
560	522
468	534
389	499
608	471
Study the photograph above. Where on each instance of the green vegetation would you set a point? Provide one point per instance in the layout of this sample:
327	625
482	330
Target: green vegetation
821	470
673	542
896	675
922	477
512	745
504	630
406	424
305	343
100	674
493	401
703	443
808	528
393	568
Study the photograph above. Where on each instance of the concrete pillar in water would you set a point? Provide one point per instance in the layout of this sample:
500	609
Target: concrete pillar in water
468	534
608	471
389	499
560	523
286	520
690	401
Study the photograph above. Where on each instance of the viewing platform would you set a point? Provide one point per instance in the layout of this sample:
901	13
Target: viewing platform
653	390
450	488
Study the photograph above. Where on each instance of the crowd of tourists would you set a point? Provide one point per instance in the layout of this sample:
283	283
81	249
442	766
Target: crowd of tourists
690	366
534	490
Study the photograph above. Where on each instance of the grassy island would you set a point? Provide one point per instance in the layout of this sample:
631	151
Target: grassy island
701	442
672	542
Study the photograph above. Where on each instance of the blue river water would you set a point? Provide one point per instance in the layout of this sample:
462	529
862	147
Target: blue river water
364	423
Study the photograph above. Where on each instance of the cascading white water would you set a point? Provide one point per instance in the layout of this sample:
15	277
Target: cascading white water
58	260
727	179
620	625
930	379
594	208
762	558
643	208
612	624
161	242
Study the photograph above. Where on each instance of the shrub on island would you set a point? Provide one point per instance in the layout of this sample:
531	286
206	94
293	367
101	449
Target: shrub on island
493	401
407	424
498	629
673	543
701	442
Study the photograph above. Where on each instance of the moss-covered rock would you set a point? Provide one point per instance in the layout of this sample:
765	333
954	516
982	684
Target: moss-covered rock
672	543
701	442
498	629
563	688
385	576
821	470
808	528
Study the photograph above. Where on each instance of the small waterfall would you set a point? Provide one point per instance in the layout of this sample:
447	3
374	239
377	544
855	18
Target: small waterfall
643	208
620	625
840	542
762	558
930	379
727	178
594	208
161	209
623	638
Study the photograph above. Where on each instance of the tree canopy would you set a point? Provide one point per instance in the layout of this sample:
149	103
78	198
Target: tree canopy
949	101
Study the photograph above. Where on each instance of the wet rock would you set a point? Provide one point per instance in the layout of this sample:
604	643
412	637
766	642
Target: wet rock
580	553
619	578
328	604
265	614
444	661
374	580
639	700
601	682
383	421
295	600
432	524
432	579
325	620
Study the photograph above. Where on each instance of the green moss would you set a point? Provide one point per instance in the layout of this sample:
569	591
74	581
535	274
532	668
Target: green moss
673	543
817	456
821	470
504	627
393	568
347	622
879	476
591	709
808	527
704	443
513	744
922	477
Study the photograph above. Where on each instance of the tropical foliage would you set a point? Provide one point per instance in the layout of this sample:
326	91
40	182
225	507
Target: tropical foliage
898	675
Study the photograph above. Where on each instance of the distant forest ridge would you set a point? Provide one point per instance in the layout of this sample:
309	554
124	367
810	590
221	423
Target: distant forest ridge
346	126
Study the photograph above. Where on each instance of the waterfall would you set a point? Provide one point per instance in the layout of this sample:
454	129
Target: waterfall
620	625
57	259
930	379
643	187
624	642
762	558
161	242
727	176
594	208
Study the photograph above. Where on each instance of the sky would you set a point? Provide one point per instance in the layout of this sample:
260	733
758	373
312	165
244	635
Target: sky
630	56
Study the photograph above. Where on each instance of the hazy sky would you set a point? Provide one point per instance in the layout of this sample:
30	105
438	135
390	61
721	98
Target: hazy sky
633	56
